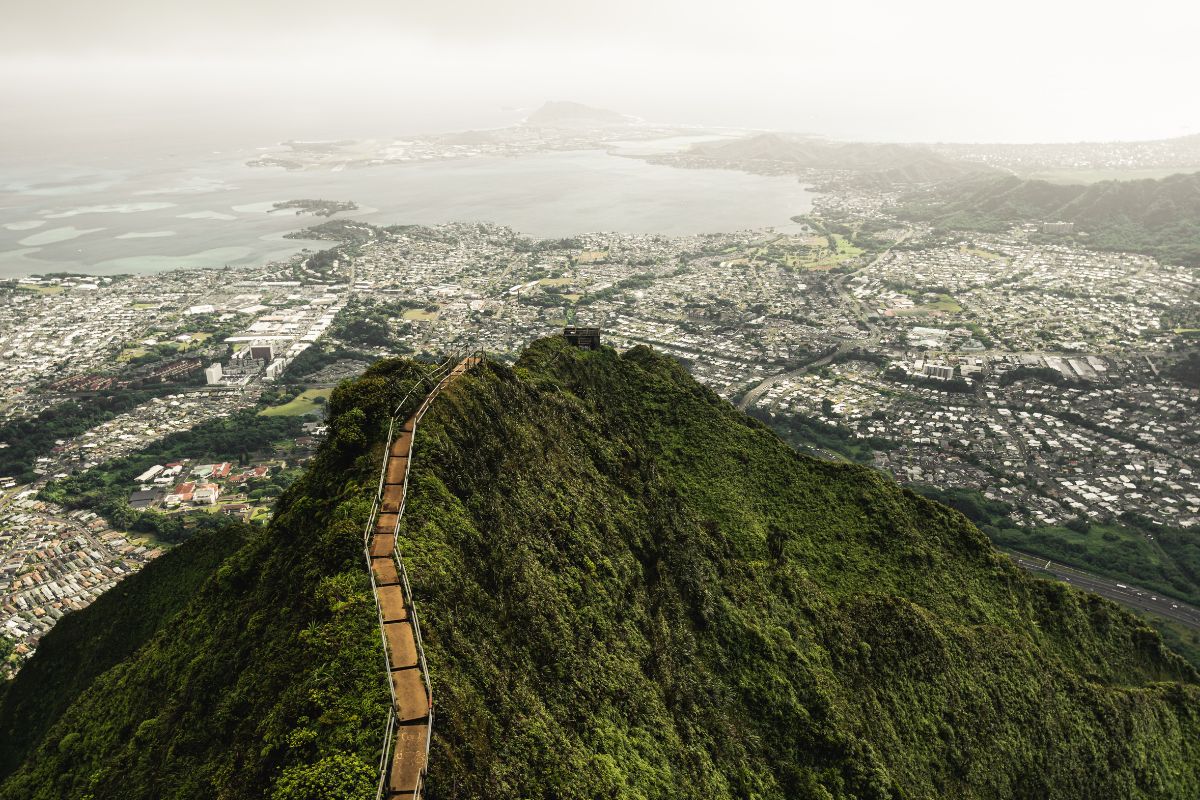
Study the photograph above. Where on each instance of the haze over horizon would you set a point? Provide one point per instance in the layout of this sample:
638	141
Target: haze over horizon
77	74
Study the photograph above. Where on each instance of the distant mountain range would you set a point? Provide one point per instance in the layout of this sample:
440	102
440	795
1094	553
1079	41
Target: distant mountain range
882	164
1067	159
1156	217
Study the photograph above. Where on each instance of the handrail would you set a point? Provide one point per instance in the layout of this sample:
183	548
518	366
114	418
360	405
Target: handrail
441	372
390	726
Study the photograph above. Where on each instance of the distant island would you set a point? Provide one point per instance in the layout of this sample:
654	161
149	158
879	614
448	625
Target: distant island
564	114
318	208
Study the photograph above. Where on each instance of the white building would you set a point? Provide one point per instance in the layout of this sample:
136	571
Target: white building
206	494
149	474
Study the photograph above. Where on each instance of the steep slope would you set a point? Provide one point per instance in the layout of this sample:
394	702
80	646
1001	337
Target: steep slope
1158	217
83	646
628	589
632	590
269	681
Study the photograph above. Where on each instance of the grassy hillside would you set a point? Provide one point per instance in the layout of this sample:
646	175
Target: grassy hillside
1157	217
628	589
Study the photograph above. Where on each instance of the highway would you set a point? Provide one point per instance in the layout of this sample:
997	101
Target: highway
1132	597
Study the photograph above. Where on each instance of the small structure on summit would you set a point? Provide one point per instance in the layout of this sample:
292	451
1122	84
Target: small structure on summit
584	338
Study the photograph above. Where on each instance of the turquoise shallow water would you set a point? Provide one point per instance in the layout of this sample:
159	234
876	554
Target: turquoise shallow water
171	212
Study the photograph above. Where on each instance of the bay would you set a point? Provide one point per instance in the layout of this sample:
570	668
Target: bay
218	210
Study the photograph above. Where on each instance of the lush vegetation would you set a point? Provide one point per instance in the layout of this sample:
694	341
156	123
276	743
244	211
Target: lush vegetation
1157	217
29	439
267	681
1123	549
82	646
370	323
660	598
628	589
811	435
106	487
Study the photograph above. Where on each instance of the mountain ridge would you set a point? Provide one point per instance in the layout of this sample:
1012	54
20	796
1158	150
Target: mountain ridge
1159	217
867	165
629	589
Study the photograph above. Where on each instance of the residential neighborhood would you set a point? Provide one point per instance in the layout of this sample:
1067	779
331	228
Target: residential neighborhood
1036	373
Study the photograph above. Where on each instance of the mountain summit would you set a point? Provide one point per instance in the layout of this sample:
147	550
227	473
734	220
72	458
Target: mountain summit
627	589
565	114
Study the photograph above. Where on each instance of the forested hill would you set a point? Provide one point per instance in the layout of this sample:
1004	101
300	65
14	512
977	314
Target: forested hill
1156	217
628	589
872	163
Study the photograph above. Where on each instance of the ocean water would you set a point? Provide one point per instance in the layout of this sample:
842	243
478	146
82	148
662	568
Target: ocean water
167	212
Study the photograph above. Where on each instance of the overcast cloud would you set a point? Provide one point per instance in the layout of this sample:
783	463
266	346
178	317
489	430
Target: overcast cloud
921	70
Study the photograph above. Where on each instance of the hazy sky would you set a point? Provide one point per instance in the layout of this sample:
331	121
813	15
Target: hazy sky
924	70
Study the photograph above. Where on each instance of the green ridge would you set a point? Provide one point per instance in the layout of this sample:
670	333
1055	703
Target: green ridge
1157	217
629	589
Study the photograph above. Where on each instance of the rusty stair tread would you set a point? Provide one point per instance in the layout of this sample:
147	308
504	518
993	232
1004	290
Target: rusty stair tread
381	544
391	603
402	646
411	701
413	704
408	760
385	571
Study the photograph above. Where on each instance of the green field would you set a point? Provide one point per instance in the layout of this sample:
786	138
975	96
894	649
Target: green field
945	304
845	250
988	254
39	289
130	353
1116	551
302	404
813	253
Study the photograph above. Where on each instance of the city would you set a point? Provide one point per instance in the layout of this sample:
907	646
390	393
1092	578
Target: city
1038	373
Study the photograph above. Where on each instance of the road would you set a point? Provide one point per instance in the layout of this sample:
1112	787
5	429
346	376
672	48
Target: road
855	308
1133	597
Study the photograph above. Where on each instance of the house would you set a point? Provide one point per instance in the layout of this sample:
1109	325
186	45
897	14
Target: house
184	491
237	510
206	494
